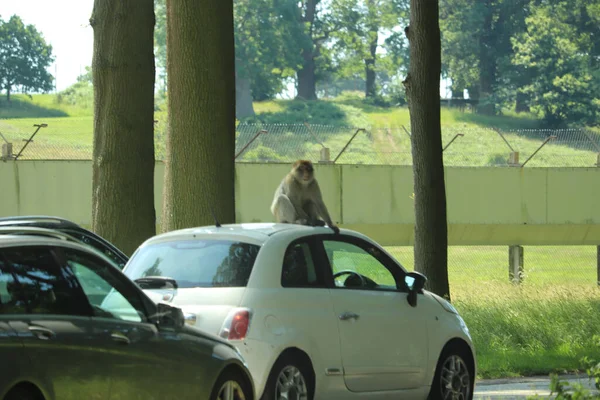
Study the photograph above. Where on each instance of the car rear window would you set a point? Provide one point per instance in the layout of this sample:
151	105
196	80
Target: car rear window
196	263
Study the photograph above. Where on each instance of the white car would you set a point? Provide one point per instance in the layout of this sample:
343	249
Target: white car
316	315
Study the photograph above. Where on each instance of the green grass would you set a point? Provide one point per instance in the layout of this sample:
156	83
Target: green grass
70	126
544	325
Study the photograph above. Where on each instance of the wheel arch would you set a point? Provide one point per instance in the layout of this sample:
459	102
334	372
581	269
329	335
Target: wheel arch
29	387
294	353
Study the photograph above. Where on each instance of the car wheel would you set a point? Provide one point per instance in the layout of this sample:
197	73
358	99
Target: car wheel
453	376
23	393
232	385
291	378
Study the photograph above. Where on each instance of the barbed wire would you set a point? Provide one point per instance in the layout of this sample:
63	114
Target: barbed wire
284	143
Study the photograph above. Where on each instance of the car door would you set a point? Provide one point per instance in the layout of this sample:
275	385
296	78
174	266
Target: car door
383	340
145	363
15	363
52	319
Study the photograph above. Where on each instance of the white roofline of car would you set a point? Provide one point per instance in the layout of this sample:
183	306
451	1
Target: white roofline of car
253	232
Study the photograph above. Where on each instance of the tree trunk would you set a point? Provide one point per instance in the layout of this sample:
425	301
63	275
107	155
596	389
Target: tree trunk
487	64
522	103
199	174
123	156
243	98
422	88
8	93
371	88
307	82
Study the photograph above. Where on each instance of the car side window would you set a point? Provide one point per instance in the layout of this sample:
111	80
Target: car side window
354	267
32	282
298	269
108	295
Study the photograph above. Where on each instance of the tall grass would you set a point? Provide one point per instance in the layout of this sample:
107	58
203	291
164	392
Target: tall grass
544	325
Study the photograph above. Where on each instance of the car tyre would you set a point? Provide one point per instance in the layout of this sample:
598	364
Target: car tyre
22	393
453	376
291	378
232	385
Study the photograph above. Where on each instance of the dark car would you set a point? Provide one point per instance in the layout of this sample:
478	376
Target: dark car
63	225
72	326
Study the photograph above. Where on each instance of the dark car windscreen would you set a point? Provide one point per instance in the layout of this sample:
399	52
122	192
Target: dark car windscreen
196	263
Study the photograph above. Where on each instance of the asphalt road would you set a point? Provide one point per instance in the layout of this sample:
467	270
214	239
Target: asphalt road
521	388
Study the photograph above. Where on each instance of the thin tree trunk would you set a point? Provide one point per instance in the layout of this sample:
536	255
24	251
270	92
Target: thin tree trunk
522	102
307	82
487	64
243	98
199	174
422	87
8	93
123	156
371	88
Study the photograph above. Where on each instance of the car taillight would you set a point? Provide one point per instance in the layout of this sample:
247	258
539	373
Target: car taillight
236	324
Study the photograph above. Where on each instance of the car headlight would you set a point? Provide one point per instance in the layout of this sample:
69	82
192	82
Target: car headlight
446	305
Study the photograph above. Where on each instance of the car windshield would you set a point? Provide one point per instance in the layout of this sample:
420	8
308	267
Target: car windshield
196	263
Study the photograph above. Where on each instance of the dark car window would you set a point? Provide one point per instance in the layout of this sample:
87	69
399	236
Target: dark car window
196	263
110	294
33	283
298	268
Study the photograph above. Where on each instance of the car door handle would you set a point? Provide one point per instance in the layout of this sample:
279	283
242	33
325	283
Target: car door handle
42	333
119	337
348	315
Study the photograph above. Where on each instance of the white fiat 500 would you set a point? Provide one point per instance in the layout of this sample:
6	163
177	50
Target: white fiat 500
316	315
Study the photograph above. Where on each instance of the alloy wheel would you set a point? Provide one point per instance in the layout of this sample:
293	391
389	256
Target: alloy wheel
291	385
231	390
456	379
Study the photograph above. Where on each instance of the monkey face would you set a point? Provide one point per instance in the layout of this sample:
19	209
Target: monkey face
303	171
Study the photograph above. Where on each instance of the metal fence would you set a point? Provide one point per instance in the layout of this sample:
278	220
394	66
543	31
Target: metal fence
71	139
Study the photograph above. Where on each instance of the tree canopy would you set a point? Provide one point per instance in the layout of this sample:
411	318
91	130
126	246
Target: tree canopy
24	58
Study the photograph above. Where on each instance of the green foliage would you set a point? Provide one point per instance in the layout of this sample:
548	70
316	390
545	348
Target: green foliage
360	24
560	56
24	58
576	391
80	94
313	112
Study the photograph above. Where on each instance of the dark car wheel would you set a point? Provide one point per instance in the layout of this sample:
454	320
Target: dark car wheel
232	385
291	378
23	393
453	378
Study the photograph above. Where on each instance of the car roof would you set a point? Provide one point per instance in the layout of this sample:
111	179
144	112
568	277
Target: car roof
255	232
41	239
39	220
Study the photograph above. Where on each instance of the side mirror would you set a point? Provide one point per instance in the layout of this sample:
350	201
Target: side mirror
415	282
170	317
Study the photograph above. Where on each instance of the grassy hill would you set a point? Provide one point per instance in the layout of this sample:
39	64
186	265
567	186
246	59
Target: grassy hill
332	122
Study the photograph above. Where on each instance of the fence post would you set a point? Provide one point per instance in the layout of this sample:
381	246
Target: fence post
325	156
515	264
513	159
7	151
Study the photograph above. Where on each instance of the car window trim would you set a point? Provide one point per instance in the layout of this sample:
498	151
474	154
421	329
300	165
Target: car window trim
394	268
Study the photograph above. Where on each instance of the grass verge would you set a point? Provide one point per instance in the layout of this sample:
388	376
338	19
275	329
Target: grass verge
544	325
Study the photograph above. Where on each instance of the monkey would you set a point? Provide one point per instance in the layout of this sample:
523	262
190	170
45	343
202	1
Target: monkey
298	198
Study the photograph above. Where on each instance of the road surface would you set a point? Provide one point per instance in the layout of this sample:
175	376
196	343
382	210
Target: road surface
521	388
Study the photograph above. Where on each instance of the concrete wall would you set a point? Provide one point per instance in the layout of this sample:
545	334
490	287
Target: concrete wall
501	206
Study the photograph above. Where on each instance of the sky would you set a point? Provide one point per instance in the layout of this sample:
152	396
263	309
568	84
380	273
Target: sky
65	25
